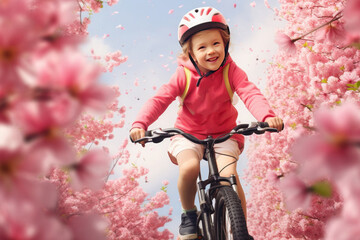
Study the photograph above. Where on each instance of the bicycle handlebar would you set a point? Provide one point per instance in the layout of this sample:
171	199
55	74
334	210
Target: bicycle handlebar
158	135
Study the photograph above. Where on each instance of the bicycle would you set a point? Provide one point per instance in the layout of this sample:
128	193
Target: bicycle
221	215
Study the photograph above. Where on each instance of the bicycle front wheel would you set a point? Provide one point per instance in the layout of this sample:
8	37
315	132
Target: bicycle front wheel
229	219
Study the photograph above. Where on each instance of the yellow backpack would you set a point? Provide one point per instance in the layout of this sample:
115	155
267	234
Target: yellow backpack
226	81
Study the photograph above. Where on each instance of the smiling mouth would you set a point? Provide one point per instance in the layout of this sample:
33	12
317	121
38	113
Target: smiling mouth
214	59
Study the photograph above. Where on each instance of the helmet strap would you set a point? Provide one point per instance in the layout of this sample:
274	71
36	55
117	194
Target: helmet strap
210	72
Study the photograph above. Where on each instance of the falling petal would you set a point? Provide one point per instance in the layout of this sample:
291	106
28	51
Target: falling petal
253	4
267	3
120	26
171	11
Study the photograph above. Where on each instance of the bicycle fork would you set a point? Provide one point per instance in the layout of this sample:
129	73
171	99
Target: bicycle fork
206	210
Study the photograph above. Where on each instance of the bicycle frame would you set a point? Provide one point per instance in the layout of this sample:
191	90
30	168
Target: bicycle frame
214	180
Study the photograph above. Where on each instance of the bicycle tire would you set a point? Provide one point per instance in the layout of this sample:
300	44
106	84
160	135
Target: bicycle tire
229	219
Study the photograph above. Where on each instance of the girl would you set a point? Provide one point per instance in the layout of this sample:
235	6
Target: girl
206	107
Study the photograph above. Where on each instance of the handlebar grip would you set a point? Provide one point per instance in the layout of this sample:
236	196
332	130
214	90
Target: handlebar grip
263	124
147	134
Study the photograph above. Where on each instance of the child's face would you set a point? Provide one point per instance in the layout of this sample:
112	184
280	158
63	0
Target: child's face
208	49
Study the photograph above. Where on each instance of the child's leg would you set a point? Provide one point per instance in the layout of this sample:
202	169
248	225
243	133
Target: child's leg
189	167
222	161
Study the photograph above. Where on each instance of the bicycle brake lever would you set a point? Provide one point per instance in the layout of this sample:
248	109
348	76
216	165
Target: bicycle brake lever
155	136
261	130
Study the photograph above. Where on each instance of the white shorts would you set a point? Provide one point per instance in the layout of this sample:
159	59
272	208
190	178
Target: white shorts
180	143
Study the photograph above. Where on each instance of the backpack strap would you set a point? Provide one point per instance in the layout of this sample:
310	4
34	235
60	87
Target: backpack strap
226	81
188	79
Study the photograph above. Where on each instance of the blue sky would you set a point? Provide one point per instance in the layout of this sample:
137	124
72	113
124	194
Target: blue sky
149	38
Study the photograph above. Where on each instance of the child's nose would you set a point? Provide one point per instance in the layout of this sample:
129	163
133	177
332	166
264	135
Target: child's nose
211	50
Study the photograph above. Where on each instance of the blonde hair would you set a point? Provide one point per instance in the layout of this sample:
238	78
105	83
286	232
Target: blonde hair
186	47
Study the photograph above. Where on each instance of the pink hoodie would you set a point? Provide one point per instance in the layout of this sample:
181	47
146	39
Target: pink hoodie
207	109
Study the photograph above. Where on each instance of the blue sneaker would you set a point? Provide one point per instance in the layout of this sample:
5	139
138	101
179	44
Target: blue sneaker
188	227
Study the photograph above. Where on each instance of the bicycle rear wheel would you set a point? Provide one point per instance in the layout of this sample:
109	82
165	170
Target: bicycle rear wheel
229	219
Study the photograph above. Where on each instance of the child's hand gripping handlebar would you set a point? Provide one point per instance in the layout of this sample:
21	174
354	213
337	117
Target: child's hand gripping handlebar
158	135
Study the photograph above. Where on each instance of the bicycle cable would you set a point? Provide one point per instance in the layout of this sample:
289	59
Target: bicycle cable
224	155
228	163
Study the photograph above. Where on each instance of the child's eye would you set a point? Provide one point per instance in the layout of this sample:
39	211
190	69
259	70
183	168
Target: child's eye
216	43
201	47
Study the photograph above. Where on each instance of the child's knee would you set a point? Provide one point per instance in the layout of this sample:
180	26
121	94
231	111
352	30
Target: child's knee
189	169
189	165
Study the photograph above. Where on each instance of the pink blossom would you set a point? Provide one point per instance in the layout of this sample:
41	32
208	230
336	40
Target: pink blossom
332	32
90	171
37	117
51	15
253	4
266	2
285	43
350	190
352	16
336	142
15	42
19	165
317	75
273	178
74	75
339	125
114	59
21	219
296	192
88	226
112	2
343	229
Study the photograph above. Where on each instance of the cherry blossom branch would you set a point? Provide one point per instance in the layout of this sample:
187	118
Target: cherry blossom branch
335	18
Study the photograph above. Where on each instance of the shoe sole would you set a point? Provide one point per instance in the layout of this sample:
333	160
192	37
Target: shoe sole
188	237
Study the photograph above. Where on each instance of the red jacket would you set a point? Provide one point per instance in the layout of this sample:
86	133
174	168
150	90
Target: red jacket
207	109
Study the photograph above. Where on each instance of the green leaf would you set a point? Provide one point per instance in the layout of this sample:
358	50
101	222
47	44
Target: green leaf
322	188
357	84
324	80
164	189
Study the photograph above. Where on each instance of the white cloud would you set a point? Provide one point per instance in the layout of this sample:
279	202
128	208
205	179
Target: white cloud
98	45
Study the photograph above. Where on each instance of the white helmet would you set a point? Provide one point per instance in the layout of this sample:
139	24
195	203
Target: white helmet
200	19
